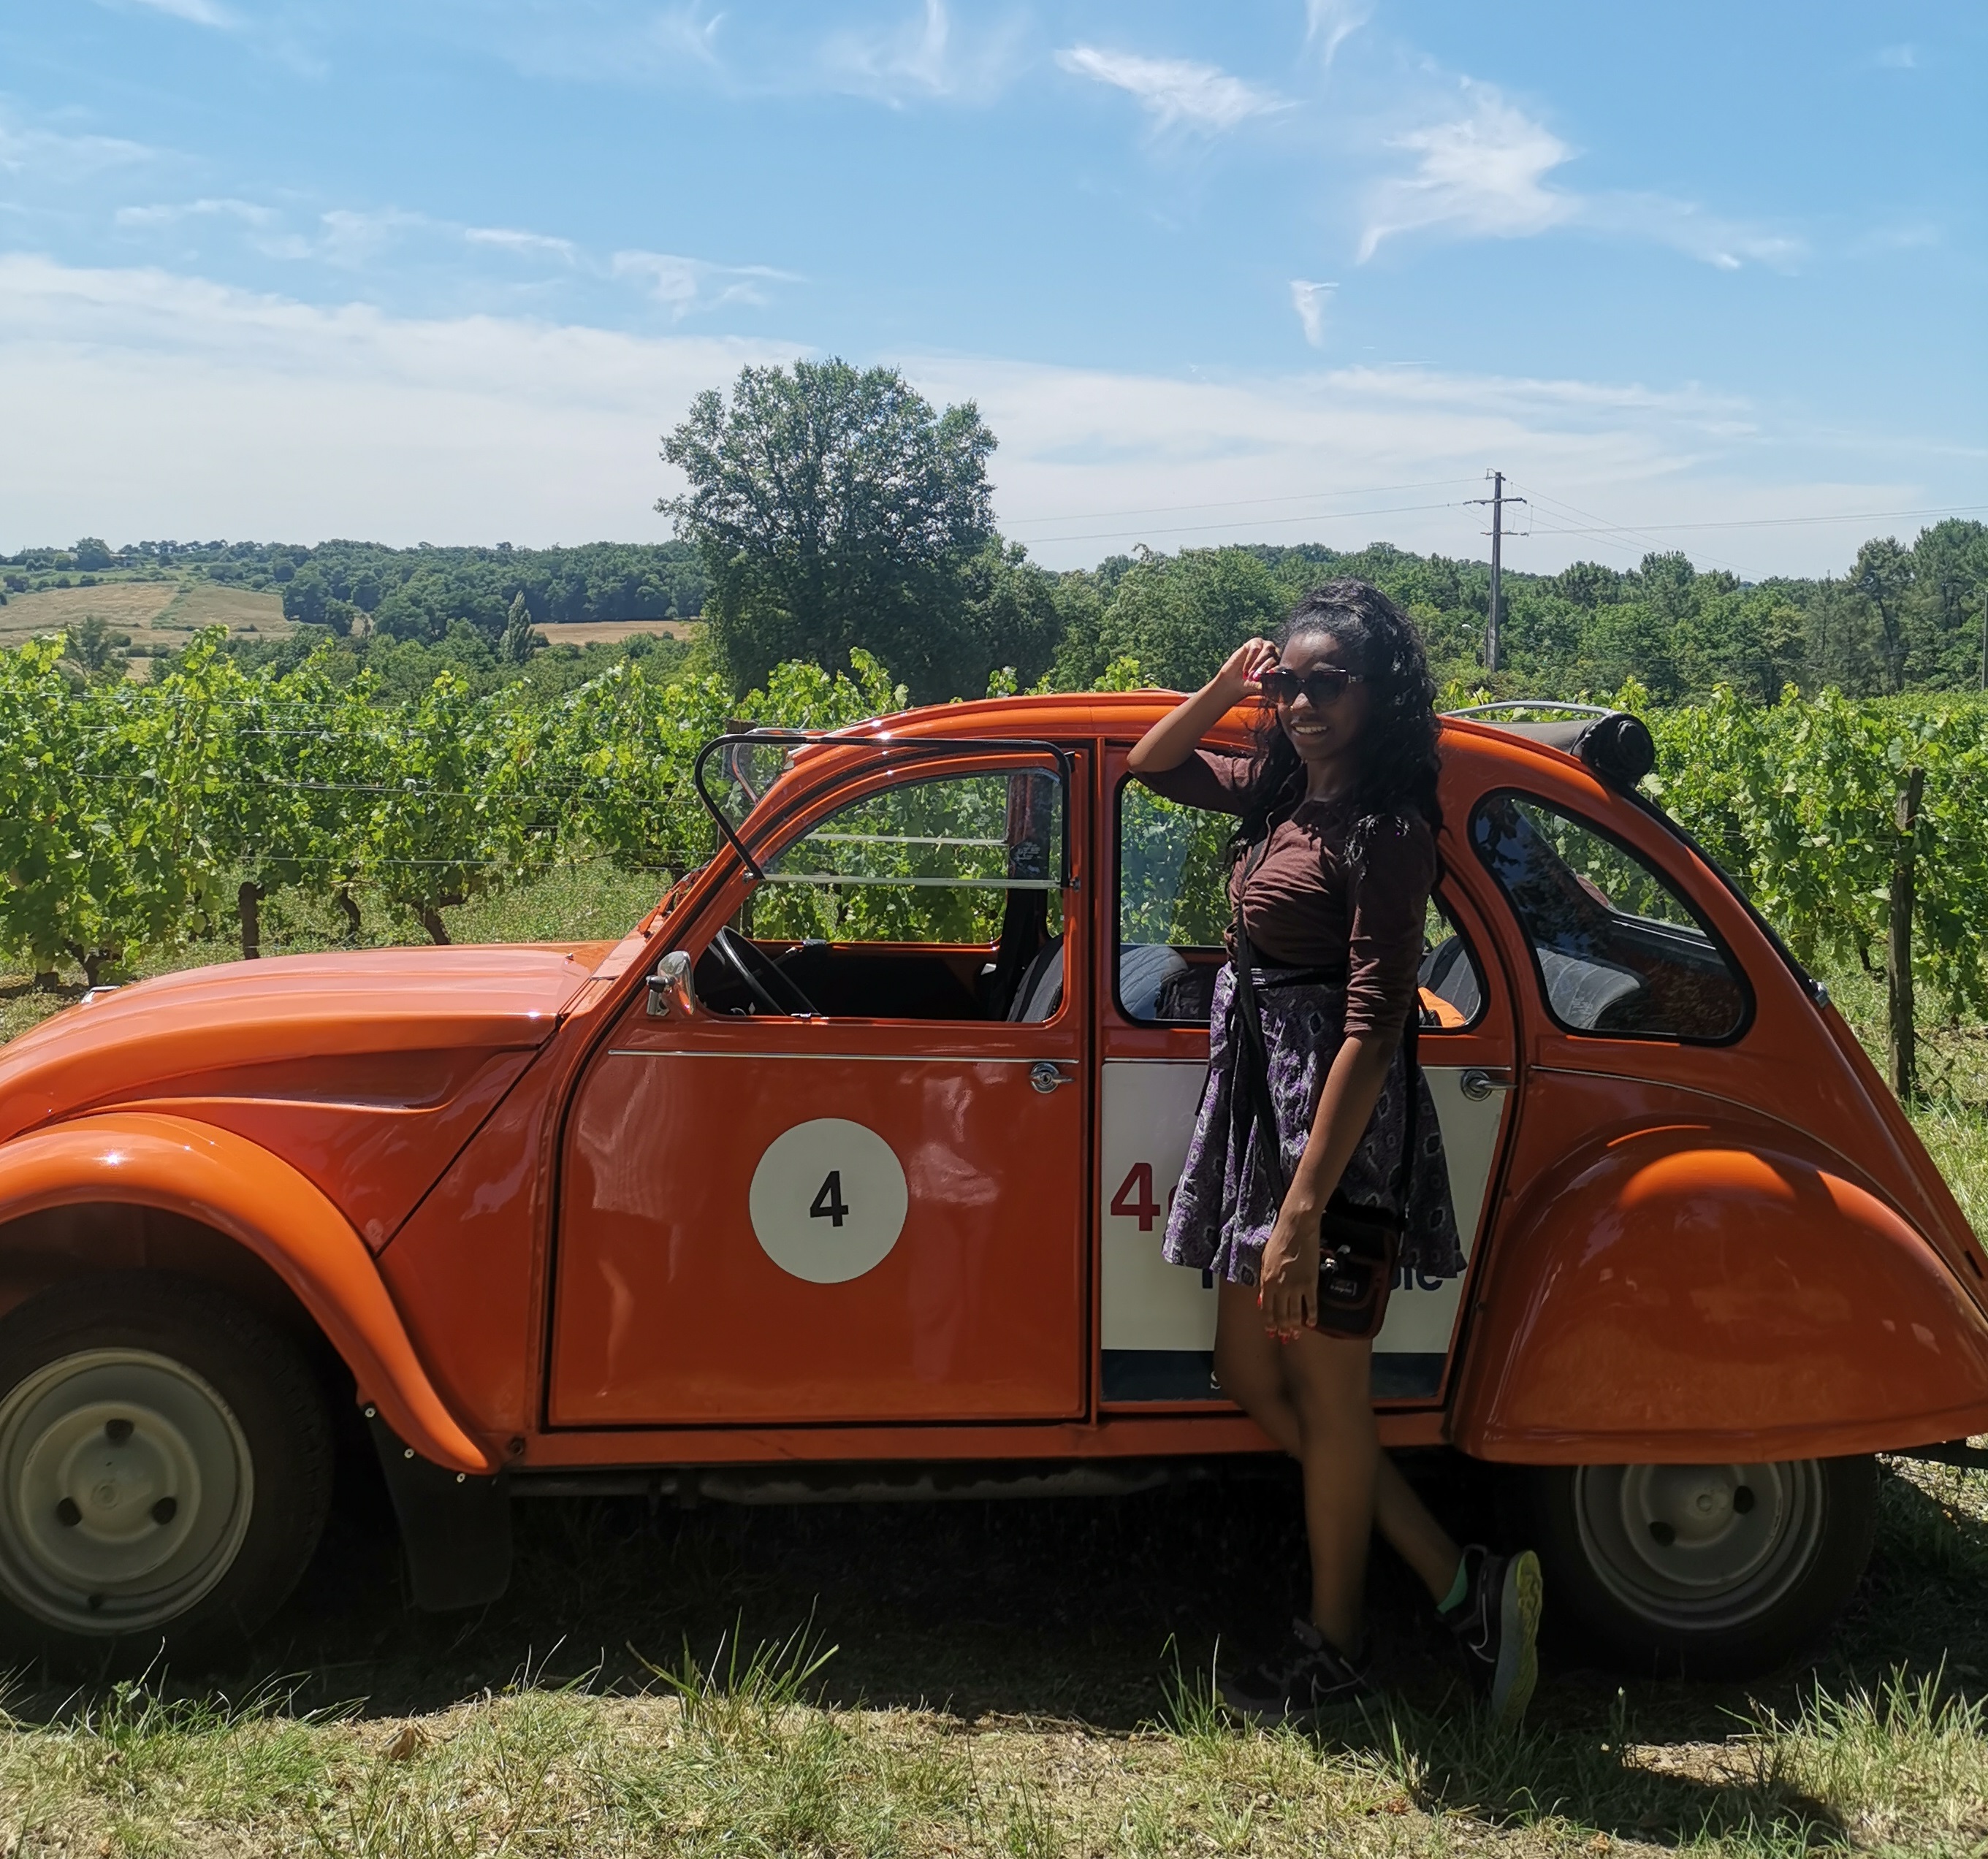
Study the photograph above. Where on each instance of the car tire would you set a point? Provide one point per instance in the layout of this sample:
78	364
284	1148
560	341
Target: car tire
1708	1570
165	1470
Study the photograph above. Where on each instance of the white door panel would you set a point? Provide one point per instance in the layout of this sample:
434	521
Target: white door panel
1157	1320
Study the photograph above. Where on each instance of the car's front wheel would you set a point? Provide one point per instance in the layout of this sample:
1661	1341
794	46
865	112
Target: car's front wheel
165	1468
1720	1568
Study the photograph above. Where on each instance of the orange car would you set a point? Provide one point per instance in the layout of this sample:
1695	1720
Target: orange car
846	1172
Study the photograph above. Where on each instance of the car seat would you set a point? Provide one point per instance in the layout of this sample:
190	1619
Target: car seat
1040	992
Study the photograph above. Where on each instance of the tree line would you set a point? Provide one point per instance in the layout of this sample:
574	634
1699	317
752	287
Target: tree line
827	509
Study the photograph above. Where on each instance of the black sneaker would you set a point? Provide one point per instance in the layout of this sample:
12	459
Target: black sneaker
1497	1624
1307	1673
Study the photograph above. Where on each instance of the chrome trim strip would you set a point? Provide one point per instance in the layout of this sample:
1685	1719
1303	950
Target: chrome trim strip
893	1058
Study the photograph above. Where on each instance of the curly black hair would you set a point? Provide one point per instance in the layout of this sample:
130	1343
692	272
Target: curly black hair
1398	762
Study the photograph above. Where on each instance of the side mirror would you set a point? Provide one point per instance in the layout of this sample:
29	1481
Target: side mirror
671	988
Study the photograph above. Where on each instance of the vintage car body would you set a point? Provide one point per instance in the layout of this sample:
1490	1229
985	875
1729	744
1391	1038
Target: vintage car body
578	1218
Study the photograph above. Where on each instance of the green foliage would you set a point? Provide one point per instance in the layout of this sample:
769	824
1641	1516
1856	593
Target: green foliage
834	509
1797	800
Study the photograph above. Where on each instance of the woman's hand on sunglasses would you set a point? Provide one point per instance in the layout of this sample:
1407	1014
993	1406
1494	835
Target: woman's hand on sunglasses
1242	674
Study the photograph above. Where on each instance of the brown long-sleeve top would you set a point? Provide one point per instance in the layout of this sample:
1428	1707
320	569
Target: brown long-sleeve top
1305	906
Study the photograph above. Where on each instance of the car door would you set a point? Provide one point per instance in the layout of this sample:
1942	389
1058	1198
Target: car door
1160	945
874	1213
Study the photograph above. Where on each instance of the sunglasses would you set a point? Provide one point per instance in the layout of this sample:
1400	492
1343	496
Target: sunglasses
1325	685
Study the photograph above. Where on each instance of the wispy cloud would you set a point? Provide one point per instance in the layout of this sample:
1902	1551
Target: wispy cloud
1176	92
173	214
1311	301
1485	174
195	12
1330	23
1898	58
27	148
509	239
927	55
683	285
1478	176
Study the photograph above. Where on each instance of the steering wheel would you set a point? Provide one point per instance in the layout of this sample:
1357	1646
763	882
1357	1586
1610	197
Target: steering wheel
755	968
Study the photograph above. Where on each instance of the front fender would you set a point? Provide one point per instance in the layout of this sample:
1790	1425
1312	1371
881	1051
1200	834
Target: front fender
1672	1299
259	1200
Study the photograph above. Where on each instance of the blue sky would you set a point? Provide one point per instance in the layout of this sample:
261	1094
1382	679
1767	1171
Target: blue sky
1282	269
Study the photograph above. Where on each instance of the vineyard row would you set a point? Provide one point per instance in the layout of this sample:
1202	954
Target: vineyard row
134	818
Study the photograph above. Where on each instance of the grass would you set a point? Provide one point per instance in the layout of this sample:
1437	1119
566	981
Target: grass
1001	1679
1028	1679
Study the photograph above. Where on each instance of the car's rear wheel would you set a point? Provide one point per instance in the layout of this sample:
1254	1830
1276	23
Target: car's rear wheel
1723	1568
165	1468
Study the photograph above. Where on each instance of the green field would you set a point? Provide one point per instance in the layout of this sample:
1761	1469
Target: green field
1022	1679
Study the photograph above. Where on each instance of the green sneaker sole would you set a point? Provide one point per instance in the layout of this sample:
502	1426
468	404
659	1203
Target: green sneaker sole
1518	1670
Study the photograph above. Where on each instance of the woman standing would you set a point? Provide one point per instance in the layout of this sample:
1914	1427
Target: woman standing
1338	817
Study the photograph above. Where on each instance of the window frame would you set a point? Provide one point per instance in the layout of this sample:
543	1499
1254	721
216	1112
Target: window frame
1742	1023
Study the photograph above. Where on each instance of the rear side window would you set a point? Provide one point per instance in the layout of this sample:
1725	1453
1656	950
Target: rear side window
1619	952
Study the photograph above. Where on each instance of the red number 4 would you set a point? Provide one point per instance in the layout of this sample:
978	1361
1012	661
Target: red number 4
1144	1208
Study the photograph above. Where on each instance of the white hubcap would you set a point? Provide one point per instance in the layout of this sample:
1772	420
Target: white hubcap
1702	1546
126	1489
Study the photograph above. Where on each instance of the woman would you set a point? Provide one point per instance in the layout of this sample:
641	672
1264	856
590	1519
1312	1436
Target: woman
1336	857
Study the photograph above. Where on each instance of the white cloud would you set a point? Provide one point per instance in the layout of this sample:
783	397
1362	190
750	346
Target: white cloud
170	406
1175	92
684	285
1330	23
1898	58
1484	174
1478	176
143	403
926	55
509	239
1311	302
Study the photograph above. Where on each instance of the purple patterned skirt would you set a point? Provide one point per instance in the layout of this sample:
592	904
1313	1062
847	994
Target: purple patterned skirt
1226	1204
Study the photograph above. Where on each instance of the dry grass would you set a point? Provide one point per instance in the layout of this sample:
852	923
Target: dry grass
159	615
618	632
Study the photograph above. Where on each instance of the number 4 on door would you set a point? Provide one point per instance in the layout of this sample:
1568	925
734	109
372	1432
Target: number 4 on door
828	1203
1144	1208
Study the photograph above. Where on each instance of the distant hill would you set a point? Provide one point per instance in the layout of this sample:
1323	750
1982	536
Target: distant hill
408	593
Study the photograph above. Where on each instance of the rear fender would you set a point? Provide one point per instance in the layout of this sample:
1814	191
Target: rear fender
240	1189
1668	1297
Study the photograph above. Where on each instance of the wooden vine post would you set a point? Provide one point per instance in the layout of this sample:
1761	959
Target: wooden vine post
1899	936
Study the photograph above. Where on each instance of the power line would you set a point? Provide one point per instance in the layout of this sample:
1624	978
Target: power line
1238	503
1318	516
1775	523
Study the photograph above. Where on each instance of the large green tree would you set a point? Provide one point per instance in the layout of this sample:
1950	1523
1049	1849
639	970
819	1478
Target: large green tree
834	508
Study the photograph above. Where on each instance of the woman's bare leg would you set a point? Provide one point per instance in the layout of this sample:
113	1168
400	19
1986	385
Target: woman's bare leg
1414	1535
1249	1364
1330	1381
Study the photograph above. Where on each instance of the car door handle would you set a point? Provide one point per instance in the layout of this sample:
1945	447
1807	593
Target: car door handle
1480	1081
1046	1075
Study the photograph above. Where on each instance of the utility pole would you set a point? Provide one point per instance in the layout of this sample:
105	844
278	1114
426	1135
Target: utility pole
1498	500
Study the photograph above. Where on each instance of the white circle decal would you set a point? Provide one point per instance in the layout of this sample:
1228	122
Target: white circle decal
828	1200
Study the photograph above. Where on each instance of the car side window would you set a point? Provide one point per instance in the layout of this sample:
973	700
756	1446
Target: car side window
1173	910
1451	982
934	899
1619	951
1173	906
